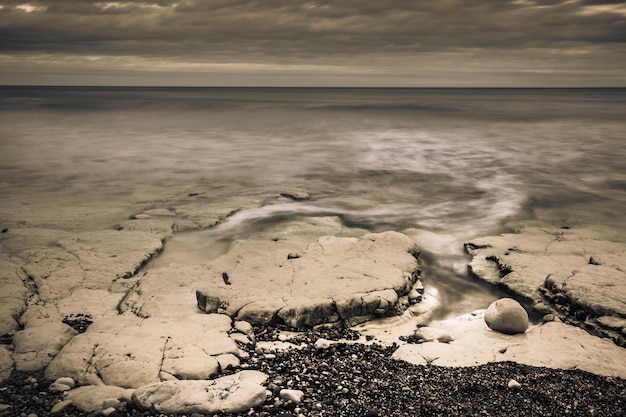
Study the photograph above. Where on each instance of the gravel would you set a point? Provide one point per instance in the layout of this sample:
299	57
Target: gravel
353	379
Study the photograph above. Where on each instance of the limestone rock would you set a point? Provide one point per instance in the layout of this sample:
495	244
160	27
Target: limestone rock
6	362
553	344
507	316
222	395
577	271
128	351
433	334
91	398
89	260
14	293
35	346
332	280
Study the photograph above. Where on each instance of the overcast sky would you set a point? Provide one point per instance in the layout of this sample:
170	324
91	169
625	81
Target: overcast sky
445	43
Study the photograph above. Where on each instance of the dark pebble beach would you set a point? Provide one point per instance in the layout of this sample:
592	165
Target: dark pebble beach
354	379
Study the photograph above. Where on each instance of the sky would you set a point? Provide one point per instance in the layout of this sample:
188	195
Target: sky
335	43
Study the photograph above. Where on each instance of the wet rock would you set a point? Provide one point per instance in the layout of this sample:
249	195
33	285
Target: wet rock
507	316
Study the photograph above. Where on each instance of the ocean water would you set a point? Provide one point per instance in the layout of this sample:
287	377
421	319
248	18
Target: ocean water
447	164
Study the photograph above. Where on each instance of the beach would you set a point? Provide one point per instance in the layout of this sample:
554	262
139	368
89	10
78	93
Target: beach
143	228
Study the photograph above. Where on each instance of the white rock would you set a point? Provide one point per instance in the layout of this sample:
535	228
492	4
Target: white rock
513	384
322	344
91	397
57	387
66	381
507	316
293	395
215	396
61	406
433	334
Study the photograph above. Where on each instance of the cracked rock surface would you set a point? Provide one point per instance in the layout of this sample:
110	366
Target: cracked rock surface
575	274
331	280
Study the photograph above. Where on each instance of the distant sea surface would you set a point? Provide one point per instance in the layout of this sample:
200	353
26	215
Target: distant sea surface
454	163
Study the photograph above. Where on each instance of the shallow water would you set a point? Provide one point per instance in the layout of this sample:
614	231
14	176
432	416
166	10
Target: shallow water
443	165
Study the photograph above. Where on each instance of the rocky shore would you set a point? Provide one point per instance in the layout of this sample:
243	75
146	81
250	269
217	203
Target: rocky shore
87	329
354	379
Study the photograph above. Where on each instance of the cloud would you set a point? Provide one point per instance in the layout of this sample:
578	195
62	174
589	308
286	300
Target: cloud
341	33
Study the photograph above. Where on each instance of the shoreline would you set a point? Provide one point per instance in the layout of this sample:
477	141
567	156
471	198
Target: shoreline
154	225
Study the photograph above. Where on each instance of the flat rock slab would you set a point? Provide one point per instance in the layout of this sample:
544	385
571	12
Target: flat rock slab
553	344
129	351
575	274
93	260
328	281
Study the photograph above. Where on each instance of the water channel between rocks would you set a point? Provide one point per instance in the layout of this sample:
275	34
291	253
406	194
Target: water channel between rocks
449	290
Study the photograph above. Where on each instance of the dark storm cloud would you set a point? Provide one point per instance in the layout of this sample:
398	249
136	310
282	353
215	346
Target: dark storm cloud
289	28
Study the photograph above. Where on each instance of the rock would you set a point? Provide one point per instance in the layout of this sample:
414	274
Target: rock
432	334
507	316
129	351
332	280
6	362
57	387
66	381
35	346
513	384
60	407
321	344
222	395
293	395
14	293
297	195
91	398
553	344
579	272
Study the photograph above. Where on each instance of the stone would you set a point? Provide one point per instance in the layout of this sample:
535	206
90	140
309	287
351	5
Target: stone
35	346
222	395
6	362
334	279
60	407
507	316
321	344
579	273
513	384
58	387
554	344
66	381
90	398
129	351
432	334
293	395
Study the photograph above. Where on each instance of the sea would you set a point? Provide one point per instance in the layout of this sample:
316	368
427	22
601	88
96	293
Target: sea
448	165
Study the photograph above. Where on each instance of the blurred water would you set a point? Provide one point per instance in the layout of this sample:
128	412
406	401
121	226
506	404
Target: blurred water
449	165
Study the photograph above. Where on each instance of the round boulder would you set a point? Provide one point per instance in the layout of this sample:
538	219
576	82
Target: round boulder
506	316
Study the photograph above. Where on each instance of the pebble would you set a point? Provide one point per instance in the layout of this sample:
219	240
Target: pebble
61	406
57	387
66	381
513	384
4	407
322	344
108	411
293	395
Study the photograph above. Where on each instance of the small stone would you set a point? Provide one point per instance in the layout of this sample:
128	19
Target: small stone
66	381
322	344
32	415
108	411
507	316
61	406
56	387
4	407
111	403
371	413
513	384
293	395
